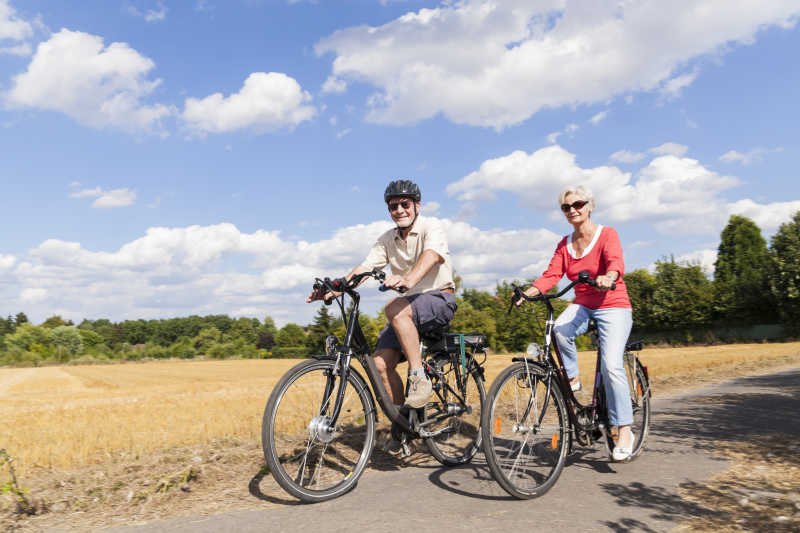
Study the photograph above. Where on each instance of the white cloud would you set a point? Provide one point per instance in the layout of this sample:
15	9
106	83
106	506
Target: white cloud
344	132
669	148
266	101
74	73
672	88
675	194
12	27
107	199
33	295
430	208
626	156
157	14
181	271
767	216
495	64
756	154
23	50
552	138
705	259
596	119
334	85
7	261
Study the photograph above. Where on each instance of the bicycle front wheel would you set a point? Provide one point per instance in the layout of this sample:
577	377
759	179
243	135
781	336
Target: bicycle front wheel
455	416
311	457
525	431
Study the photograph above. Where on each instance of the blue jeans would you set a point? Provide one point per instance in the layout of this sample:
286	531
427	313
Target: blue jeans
613	327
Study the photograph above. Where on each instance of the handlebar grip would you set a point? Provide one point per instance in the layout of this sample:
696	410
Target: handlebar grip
384	288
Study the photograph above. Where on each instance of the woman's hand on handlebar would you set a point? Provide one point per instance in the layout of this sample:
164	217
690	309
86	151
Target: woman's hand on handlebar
531	292
604	282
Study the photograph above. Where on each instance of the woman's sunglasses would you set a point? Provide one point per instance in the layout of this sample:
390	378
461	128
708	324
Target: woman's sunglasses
577	205
405	204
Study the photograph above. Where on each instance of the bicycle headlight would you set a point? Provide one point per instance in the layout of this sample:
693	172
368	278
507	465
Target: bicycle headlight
533	350
331	345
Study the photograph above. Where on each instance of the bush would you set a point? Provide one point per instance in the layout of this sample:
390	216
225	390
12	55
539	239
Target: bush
289	352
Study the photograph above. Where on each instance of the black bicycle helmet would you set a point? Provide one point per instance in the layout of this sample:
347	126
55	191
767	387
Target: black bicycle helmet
406	188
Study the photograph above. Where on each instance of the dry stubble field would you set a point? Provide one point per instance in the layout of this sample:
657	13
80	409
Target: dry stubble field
121	436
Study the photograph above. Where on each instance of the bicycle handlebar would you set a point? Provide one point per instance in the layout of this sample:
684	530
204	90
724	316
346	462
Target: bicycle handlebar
583	277
344	285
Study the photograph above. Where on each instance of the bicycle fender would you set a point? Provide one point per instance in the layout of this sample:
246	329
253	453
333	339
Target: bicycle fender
535	365
646	376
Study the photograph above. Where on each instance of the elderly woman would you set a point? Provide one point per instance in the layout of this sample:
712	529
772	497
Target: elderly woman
597	249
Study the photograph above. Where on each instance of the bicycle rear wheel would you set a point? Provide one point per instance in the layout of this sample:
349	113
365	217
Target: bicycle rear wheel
640	398
525	456
454	417
309	457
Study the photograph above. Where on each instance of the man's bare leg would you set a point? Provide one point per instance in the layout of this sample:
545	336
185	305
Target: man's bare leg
399	313
386	362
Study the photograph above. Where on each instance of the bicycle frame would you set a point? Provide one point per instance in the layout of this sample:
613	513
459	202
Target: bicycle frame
555	365
355	344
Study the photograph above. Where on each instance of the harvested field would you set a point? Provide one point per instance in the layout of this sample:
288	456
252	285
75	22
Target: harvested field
68	416
117	442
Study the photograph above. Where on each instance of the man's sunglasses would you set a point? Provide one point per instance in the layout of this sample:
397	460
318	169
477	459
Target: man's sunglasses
405	204
577	205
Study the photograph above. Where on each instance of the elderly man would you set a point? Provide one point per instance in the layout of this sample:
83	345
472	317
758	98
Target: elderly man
416	251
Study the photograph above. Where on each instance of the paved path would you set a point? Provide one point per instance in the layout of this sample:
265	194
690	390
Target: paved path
591	495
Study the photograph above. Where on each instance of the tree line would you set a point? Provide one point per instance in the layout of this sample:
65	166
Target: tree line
752	284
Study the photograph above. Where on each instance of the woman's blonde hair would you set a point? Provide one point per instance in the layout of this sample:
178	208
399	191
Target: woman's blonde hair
578	190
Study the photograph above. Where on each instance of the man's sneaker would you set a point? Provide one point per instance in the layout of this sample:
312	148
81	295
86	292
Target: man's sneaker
419	390
392	446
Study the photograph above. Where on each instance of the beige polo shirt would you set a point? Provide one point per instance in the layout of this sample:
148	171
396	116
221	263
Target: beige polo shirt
401	256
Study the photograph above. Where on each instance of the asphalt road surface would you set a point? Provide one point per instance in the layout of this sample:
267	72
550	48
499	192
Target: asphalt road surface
592	493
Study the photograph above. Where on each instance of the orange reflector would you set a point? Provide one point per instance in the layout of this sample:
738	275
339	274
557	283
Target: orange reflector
639	388
554	441
498	425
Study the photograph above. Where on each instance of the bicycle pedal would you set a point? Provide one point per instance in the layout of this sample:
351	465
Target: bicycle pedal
406	449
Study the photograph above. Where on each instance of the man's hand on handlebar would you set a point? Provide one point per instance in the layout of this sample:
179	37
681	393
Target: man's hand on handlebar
399	283
319	293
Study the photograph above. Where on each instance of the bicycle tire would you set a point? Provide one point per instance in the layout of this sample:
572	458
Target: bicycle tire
460	434
525	467
640	397
298	457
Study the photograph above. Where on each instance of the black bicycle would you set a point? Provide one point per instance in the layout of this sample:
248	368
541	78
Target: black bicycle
531	418
319	424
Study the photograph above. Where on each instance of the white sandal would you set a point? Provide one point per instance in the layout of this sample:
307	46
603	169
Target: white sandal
622	453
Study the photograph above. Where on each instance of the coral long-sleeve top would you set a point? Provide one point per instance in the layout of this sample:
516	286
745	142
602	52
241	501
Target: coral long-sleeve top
603	255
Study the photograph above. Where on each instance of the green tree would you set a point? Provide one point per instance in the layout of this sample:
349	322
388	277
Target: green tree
20	319
291	335
26	335
68	338
324	324
682	298
641	285
56	321
785	272
741	275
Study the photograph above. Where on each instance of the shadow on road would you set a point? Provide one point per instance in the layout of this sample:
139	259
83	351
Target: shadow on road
737	412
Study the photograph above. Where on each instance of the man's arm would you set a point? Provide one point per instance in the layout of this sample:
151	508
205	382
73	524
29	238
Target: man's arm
424	264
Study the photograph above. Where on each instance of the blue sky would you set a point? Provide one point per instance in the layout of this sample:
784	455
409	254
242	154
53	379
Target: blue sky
164	158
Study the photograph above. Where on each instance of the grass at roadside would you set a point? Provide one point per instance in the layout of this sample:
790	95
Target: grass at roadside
759	492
